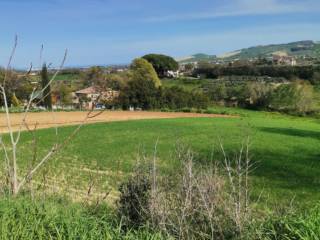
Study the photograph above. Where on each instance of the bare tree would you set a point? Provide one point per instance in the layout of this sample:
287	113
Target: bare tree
16	182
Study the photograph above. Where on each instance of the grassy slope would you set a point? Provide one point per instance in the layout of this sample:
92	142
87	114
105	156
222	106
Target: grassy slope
284	149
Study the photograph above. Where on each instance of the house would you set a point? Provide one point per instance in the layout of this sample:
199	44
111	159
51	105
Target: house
172	74
91	96
284	60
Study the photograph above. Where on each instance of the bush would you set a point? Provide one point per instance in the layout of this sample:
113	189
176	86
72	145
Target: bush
134	201
178	98
256	95
217	92
294	98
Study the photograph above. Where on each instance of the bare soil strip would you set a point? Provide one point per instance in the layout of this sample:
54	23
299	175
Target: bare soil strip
48	120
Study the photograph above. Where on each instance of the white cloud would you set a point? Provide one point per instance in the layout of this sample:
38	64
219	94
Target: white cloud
245	8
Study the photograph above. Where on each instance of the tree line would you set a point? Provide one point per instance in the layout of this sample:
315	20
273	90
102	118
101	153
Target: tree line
288	72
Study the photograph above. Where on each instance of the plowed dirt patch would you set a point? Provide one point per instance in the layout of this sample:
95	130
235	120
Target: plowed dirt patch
48	120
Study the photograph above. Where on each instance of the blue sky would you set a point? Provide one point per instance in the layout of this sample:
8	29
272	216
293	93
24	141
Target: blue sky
116	31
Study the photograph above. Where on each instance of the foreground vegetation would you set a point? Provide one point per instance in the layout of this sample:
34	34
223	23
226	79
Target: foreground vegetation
27	218
200	208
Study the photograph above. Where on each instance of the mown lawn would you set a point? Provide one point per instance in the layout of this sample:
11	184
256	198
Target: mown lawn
285	150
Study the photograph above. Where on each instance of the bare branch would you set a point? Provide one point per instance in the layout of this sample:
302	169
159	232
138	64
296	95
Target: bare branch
40	57
23	121
55	149
32	97
10	59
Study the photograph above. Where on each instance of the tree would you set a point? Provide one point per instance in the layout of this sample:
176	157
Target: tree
64	93
139	93
24	88
93	76
141	69
217	92
46	92
257	95
15	85
117	81
189	67
175	98
295	97
162	63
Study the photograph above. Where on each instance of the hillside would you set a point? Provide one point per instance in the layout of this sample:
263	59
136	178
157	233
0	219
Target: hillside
197	58
301	48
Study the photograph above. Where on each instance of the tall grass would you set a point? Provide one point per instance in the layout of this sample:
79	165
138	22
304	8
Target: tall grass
25	218
292	226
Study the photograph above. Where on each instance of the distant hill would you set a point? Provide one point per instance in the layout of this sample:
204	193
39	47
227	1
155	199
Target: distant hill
301	48
197	58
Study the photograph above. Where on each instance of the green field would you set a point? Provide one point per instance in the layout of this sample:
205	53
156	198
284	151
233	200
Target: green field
284	149
188	84
67	77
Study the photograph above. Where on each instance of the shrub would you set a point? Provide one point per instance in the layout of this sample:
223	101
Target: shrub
315	78
134	201
295	97
217	92
257	95
178	98
174	98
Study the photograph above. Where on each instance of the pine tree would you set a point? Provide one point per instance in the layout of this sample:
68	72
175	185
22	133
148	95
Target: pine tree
47	102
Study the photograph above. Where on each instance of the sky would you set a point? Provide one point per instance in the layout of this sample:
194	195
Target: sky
102	32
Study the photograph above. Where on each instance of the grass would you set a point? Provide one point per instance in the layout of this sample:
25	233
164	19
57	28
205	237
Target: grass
187	83
285	151
26	218
62	77
67	77
304	225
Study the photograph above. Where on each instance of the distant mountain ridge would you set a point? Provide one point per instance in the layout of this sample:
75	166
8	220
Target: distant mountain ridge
300	48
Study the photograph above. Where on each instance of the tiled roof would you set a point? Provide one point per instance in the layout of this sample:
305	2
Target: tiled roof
89	90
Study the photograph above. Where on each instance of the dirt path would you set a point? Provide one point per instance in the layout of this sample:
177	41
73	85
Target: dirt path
47	120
